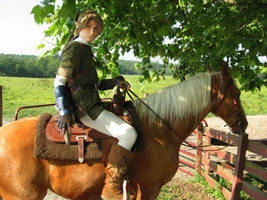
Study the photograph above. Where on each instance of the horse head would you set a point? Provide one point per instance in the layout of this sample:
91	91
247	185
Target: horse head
227	104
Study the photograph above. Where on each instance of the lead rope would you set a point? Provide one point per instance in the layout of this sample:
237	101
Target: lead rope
199	147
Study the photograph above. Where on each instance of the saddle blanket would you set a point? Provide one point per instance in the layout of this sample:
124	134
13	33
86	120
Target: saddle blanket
46	149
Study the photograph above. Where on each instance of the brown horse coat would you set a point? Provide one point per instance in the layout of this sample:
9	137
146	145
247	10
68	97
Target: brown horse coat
24	177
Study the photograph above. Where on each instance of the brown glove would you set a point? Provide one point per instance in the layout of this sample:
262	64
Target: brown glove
65	122
122	83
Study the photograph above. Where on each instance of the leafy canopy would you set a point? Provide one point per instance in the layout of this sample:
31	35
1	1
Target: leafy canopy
188	35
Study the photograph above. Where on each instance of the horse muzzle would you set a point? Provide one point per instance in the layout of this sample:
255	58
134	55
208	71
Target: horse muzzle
240	126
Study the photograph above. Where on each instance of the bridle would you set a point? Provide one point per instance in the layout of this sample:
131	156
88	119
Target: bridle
223	94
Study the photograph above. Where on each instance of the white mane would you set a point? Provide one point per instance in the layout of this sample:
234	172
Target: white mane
179	101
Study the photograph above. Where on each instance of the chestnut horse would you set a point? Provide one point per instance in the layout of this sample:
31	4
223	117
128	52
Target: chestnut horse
183	106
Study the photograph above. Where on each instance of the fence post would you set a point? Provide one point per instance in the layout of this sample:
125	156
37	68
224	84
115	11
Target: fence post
207	154
239	167
200	131
1	106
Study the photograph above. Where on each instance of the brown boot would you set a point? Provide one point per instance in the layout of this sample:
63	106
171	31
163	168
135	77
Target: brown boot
118	161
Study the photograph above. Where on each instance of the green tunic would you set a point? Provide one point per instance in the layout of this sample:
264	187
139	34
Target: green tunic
79	57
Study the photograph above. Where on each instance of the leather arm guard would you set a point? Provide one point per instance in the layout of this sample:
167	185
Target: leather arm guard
106	84
62	100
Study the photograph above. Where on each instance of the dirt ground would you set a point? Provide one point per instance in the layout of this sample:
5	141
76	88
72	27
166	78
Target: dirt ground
257	130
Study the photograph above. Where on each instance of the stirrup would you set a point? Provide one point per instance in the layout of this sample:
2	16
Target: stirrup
67	136
125	190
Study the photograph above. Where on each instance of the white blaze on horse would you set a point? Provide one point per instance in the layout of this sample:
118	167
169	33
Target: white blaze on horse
183	106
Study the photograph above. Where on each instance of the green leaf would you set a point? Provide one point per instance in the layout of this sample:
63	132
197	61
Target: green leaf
37	12
187	32
40	46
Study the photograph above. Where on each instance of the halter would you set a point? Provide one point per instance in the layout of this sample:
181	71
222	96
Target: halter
223	94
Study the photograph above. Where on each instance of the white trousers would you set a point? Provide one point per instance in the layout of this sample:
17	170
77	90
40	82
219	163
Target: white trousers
110	124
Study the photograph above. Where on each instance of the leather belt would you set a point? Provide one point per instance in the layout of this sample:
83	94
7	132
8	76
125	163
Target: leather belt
83	87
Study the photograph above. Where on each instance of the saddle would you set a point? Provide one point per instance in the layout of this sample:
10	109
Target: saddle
80	135
83	139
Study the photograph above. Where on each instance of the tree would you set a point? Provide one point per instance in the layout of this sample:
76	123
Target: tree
28	66
188	35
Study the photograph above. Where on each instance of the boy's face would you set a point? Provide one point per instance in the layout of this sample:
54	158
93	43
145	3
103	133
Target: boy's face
91	31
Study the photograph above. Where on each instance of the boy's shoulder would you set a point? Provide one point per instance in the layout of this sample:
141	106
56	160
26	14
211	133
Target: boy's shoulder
76	46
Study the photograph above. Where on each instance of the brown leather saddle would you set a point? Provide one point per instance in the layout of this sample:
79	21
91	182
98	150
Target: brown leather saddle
80	134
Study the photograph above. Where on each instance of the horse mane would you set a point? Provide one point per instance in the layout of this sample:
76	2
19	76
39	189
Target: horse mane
178	101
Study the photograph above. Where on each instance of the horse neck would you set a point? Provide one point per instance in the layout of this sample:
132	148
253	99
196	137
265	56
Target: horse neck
174	134
216	90
183	116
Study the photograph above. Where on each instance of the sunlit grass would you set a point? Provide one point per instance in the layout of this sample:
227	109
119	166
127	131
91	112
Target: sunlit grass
19	92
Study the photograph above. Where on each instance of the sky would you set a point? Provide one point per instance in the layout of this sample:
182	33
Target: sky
19	34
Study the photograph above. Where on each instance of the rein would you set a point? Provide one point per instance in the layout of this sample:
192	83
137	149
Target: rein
157	115
199	147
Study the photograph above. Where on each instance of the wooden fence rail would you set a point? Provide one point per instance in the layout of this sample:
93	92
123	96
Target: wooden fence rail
230	165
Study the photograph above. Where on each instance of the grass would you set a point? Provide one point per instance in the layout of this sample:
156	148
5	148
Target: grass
19	92
250	178
255	103
169	192
207	188
190	189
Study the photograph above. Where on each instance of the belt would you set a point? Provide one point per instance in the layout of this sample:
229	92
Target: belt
83	87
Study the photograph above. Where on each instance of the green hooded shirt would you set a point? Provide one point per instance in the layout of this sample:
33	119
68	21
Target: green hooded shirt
79	57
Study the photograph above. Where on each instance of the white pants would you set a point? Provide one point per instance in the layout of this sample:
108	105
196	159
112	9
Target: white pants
110	124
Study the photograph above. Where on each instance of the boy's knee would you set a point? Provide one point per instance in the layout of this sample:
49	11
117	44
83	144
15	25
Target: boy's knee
132	135
128	139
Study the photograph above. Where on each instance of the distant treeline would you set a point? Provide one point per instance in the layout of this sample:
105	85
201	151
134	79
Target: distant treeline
46	67
28	66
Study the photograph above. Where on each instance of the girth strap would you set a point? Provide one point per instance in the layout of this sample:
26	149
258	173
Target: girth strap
80	140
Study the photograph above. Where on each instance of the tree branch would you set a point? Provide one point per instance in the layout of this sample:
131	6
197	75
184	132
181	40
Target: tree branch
244	3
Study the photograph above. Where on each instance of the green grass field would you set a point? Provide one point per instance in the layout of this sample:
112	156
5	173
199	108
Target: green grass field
19	92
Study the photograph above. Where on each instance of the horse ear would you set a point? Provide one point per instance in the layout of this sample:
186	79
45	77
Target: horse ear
209	69
225	70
